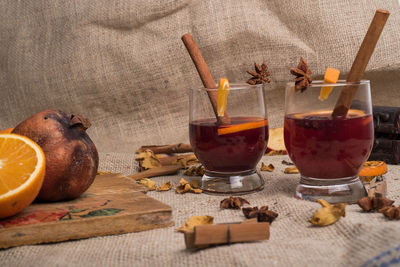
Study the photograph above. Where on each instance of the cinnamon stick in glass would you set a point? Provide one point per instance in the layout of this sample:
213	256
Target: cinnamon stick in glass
360	62
205	75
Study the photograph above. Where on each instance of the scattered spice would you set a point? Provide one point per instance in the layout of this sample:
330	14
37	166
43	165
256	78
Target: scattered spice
185	187
233	203
284	162
193	221
291	170
195	183
262	214
268	168
198	170
260	75
165	187
186	161
148	160
374	203
151	185
302	73
328	214
391	212
276	153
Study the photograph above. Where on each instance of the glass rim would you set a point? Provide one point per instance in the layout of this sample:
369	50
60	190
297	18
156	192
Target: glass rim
234	86
339	83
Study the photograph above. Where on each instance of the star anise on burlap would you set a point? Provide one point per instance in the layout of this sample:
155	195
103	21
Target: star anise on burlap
260	75
262	214
391	212
302	73
233	203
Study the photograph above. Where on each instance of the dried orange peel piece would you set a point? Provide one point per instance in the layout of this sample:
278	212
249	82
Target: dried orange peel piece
331	76
373	168
241	127
222	94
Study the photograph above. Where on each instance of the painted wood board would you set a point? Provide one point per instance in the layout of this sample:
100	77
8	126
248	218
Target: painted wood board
114	204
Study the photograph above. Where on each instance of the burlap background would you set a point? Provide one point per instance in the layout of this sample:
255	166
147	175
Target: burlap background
122	64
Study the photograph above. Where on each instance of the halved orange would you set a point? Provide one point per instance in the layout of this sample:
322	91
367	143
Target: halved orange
371	169
9	130
22	168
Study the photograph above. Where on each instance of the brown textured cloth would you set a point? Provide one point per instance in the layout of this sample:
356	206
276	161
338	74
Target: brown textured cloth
123	65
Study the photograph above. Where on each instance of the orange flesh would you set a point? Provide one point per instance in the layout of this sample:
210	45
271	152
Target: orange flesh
241	127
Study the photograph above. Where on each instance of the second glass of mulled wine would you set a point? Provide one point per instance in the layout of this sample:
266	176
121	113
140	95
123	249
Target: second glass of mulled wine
231	146
329	150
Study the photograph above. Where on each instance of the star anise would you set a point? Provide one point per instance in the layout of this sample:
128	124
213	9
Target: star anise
302	73
391	212
262	214
233	203
261	74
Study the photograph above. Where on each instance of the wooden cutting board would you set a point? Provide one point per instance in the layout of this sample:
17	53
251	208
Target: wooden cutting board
114	204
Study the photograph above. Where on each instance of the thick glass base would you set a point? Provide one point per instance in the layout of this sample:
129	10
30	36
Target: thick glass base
238	183
344	190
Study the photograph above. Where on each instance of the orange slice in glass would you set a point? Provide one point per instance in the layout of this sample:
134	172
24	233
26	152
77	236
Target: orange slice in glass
22	168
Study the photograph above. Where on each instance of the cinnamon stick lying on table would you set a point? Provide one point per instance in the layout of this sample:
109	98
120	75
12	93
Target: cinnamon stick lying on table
163	170
360	62
205	75
215	234
167	149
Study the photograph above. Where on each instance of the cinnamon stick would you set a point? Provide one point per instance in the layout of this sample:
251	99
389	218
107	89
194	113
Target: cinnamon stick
171	159
167	149
163	170
360	62
214	234
205	75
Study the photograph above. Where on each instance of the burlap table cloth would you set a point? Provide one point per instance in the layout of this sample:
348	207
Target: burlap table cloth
122	64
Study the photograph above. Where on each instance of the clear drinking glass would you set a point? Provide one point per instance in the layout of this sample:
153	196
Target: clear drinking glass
230	152
328	151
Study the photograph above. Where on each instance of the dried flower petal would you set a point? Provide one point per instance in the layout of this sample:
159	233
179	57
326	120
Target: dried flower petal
165	187
193	221
328	214
268	168
291	170
186	161
195	171
233	203
151	185
185	187
148	160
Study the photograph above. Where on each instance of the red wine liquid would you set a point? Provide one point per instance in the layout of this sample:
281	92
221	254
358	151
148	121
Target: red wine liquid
322	147
232	152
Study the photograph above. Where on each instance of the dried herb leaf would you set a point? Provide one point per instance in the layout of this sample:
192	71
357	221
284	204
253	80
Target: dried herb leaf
148	160
291	170
268	168
193	221
185	187
103	172
328	214
151	185
186	161
262	214
233	203
165	187
195	171
195	183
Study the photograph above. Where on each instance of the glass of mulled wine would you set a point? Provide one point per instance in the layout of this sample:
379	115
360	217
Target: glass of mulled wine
230	149
329	151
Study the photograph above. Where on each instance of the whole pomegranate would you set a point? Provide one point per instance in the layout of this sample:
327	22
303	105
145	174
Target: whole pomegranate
71	156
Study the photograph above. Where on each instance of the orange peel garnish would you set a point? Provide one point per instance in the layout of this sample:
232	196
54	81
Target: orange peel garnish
373	168
241	127
222	94
331	76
